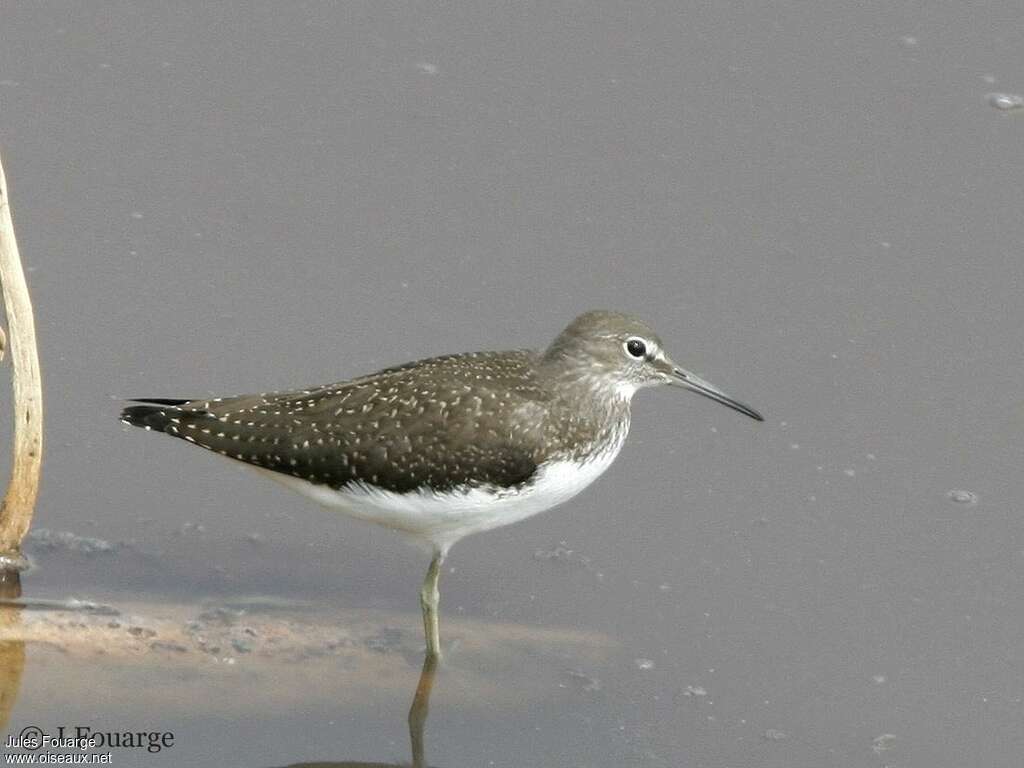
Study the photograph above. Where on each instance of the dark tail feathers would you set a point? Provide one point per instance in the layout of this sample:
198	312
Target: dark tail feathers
155	415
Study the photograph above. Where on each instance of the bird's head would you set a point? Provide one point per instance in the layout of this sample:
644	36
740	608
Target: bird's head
622	353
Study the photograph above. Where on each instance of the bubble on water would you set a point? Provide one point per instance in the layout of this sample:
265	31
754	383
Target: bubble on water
1005	101
883	743
695	690
775	735
644	664
878	679
961	496
850	472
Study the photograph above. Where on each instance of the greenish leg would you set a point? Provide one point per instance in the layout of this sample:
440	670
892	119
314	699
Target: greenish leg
429	598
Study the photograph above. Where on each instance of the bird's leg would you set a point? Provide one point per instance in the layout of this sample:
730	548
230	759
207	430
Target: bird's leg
429	598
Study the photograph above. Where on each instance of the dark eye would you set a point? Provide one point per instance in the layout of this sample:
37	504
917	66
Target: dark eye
636	348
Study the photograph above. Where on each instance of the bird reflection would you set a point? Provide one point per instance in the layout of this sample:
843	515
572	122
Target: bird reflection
420	707
12	652
417	722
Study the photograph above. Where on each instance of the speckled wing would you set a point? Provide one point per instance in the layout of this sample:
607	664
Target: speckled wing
442	423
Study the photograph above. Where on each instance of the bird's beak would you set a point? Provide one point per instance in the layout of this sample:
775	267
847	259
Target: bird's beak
680	378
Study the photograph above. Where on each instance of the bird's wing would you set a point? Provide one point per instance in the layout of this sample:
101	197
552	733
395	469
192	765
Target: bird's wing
439	424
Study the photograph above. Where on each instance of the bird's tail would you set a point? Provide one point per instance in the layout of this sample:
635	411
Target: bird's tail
156	413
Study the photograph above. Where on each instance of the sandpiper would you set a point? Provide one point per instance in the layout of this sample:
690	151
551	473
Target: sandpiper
445	447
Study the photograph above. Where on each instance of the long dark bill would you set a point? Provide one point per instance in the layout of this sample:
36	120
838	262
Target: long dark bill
687	380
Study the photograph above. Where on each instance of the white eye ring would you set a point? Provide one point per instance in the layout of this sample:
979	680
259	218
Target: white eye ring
635	347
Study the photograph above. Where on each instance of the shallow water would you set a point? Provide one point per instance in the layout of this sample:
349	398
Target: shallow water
818	207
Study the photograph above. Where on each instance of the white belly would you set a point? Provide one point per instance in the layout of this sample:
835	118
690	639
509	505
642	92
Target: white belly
441	519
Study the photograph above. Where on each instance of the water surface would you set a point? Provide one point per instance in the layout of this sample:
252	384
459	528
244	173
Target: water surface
817	207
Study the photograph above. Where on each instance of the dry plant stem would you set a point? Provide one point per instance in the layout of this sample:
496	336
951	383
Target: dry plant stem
19	502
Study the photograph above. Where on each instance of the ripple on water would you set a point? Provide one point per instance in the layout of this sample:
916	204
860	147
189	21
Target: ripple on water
43	539
883	743
1005	101
581	681
961	496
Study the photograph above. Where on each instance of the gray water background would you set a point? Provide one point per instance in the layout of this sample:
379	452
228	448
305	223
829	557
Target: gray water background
814	204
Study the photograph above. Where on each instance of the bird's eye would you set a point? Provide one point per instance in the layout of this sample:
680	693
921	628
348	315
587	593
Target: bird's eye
636	348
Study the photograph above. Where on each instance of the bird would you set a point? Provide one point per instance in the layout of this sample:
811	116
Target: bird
445	447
